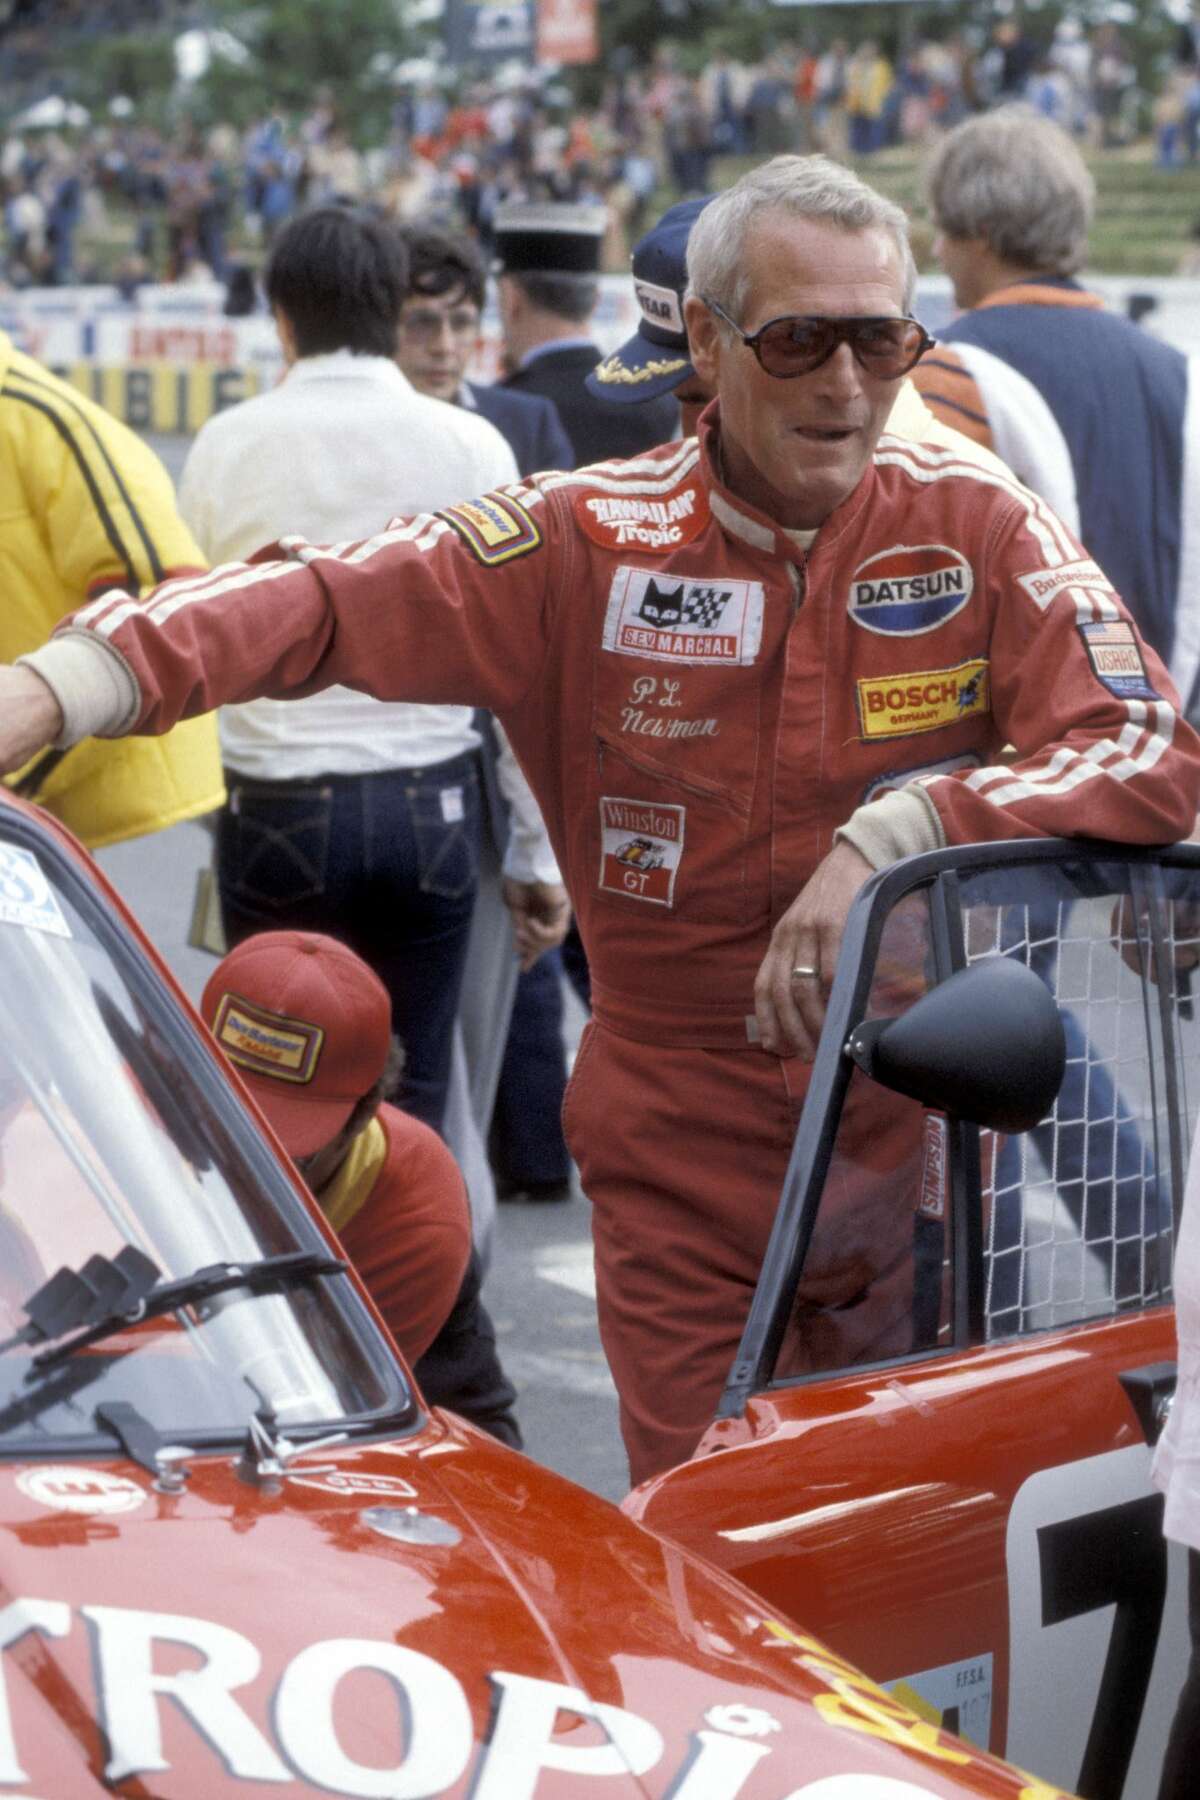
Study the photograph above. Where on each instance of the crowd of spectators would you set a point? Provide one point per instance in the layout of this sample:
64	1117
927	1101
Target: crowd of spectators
456	157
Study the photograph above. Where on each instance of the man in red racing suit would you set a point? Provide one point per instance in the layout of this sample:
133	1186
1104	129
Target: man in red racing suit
675	666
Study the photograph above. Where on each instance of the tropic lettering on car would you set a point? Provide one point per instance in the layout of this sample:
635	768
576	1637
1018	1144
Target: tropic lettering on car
858	1704
519	1745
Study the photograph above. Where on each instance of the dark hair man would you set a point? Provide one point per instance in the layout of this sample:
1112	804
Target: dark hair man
439	330
703	658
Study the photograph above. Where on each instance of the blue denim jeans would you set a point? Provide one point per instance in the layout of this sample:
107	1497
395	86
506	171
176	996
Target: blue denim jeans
386	862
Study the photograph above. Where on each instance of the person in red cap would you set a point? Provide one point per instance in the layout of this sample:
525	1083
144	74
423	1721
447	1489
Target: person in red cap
308	1026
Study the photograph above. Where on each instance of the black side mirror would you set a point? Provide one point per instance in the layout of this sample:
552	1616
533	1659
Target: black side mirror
986	1045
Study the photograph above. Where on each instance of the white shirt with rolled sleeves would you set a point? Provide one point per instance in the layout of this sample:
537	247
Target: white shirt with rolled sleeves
237	497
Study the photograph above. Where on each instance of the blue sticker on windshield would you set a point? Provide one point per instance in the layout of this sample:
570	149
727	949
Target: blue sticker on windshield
26	897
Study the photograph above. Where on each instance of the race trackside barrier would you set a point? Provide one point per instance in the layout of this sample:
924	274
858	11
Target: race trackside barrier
168	358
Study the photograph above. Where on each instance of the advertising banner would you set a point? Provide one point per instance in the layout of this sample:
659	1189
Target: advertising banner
488	31
567	32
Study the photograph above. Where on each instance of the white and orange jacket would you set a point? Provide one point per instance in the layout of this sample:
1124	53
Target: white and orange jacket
699	703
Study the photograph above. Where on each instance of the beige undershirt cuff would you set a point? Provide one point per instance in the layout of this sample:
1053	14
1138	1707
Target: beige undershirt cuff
94	686
903	823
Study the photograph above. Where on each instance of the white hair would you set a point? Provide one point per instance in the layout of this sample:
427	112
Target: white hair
807	187
1015	179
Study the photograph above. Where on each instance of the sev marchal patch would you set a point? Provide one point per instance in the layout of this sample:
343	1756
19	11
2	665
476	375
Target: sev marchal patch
266	1042
495	528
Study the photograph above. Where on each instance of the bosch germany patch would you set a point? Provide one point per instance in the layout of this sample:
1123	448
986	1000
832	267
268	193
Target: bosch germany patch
922	700
1116	659
495	529
643	521
641	844
705	620
267	1042
909	589
1043	584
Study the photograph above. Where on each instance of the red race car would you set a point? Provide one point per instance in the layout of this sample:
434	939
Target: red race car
240	1554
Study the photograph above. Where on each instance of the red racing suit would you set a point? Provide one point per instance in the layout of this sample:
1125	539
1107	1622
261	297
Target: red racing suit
699	704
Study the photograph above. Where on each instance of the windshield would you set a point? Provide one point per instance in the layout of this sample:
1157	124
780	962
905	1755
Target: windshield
116	1130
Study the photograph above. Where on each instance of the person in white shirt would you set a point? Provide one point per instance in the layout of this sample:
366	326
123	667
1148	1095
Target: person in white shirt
345	814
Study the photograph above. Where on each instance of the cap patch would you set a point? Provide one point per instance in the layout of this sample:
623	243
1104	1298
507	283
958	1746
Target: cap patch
494	530
614	373
909	589
646	521
922	699
267	1043
660	305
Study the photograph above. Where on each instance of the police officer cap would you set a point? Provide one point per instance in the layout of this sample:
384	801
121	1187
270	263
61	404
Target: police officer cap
548	237
656	358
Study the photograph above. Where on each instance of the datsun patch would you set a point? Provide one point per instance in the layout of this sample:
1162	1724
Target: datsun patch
641	846
909	589
267	1042
922	699
704	620
1116	659
1044	585
652	522
495	528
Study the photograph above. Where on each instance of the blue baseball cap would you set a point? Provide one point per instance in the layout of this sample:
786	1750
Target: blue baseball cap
657	357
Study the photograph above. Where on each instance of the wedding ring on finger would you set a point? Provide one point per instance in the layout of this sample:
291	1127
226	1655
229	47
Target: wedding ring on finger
802	972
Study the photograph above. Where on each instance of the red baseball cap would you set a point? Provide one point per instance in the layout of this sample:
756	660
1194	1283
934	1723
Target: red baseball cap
307	1024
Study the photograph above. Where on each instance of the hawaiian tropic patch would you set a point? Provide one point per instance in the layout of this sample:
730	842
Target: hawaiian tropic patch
1116	659
643	521
922	699
909	589
1043	585
495	528
704	620
641	846
266	1042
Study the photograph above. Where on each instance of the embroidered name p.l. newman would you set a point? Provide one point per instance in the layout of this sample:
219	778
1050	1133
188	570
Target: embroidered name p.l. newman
495	528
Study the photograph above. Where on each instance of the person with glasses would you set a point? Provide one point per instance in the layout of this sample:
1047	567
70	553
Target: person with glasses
709	658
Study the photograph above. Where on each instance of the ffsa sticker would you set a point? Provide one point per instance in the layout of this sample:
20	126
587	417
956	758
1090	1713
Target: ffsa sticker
641	844
909	589
26	897
705	620
956	1697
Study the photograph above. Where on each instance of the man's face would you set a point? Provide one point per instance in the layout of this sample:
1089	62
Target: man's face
795	449
437	338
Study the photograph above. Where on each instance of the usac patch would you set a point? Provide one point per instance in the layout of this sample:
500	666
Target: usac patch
495	528
1116	659
654	523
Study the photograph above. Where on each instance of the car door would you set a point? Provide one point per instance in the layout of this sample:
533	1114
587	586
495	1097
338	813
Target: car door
953	1487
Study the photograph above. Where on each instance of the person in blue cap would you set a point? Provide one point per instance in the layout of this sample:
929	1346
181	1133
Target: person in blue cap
656	360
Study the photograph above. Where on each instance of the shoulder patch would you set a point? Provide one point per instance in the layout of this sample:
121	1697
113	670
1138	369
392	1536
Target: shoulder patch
495	528
653	522
1042	585
1116	659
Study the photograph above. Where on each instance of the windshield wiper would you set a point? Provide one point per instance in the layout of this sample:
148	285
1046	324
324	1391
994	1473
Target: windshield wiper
90	1325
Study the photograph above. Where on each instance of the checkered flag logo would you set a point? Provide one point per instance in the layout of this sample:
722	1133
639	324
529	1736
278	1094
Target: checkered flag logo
703	606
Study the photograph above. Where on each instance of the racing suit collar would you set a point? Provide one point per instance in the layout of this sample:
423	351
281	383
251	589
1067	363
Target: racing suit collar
738	519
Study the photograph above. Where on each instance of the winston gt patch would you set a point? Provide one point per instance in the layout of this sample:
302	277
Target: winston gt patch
923	700
266	1042
1116	659
641	846
668	619
495	529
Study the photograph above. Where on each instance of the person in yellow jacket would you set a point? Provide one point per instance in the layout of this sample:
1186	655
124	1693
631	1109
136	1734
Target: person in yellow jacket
85	505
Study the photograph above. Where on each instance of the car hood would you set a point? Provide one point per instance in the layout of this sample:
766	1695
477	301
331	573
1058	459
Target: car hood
435	1616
